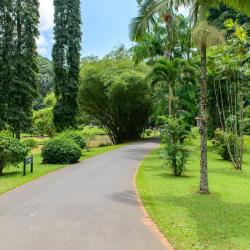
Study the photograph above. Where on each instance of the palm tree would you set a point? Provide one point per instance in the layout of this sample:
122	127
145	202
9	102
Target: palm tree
150	47
204	35
173	72
165	71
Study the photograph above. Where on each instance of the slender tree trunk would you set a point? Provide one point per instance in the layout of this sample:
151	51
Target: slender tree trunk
172	115
203	129
1	171
170	100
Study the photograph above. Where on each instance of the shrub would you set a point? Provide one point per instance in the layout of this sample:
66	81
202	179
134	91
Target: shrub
75	136
174	133
148	132
61	151
30	144
226	144
178	154
12	151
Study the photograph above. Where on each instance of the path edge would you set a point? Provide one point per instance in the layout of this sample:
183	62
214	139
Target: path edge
64	167
148	221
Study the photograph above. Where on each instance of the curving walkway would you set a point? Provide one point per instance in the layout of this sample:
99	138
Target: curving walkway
89	206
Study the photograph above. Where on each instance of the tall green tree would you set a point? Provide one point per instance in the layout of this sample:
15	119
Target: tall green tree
6	55
114	95
19	58
66	61
204	35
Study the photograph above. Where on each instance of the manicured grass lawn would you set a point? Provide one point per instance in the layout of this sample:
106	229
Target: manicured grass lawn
13	177
219	221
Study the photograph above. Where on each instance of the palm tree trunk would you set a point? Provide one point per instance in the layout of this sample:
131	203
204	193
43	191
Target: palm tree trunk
203	129
171	100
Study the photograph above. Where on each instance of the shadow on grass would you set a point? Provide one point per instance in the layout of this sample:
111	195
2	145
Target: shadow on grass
215	221
11	174
171	176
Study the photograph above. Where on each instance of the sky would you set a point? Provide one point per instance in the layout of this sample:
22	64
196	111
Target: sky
104	25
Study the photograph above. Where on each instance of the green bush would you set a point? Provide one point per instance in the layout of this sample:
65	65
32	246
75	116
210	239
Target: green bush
226	144
12	151
174	133
148	132
60	150
75	136
30	144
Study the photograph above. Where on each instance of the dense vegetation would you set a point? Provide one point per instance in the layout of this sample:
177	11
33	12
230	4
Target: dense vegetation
66	59
223	80
115	95
181	72
18	62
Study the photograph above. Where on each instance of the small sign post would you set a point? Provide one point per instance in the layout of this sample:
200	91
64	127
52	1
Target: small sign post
28	160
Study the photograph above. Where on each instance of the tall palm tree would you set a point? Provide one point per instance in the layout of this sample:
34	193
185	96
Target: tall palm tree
204	35
170	71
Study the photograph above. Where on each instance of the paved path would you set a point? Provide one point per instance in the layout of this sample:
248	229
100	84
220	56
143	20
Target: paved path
88	206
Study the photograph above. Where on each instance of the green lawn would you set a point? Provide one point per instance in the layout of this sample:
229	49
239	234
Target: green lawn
190	221
13	178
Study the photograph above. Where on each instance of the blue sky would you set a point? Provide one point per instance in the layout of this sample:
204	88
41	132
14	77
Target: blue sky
105	25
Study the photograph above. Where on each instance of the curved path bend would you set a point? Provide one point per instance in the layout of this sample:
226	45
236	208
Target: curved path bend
88	206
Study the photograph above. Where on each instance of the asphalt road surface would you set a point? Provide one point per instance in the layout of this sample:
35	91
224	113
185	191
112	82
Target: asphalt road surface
88	206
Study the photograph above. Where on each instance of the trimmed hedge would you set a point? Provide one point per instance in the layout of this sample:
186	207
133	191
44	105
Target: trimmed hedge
61	150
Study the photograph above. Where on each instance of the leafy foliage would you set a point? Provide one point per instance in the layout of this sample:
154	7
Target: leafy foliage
12	151
66	59
43	122
226	144
46	76
174	132
30	144
18	60
75	136
114	94
61	150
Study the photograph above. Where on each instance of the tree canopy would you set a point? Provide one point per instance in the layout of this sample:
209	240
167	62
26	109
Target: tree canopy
115	95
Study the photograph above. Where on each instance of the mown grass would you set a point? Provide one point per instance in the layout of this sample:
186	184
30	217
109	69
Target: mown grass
13	177
219	221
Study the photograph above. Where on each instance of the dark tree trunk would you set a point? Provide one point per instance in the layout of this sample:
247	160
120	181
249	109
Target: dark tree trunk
203	129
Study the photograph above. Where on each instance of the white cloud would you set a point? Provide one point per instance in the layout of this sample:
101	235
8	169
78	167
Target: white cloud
43	46
45	27
46	15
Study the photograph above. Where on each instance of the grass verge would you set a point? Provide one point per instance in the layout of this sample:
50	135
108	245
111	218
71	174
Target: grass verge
13	177
219	221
